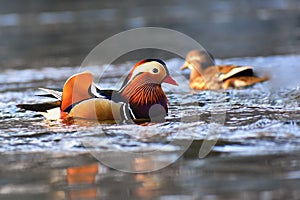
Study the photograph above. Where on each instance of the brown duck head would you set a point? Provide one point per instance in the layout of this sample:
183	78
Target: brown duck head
197	61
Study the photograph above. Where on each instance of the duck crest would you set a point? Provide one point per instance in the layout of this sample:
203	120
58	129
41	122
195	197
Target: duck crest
140	63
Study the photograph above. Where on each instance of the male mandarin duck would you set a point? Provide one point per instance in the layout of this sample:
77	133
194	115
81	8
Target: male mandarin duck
205	75
140	98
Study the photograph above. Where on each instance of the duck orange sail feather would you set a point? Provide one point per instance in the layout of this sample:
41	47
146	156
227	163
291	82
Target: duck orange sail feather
76	89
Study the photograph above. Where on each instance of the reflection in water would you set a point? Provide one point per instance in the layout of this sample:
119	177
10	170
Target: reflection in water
144	164
149	184
223	176
83	184
83	176
94	181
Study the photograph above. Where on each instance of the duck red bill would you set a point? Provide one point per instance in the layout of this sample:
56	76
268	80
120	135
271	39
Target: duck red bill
170	80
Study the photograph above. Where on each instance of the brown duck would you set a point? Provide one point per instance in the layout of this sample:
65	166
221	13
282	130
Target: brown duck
205	75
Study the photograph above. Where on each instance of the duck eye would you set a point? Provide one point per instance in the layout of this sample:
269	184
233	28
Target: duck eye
155	70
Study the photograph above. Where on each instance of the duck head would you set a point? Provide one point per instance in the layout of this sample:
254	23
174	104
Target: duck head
198	59
142	88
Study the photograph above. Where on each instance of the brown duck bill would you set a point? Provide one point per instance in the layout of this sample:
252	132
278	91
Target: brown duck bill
170	80
184	66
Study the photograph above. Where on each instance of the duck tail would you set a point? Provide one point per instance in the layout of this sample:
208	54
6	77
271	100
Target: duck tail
40	107
265	78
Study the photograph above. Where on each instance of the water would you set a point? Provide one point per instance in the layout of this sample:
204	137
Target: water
256	155
61	33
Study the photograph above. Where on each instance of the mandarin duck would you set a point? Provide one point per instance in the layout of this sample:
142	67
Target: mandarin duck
205	75
140	97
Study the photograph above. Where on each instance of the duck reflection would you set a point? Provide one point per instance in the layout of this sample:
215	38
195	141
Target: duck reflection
89	182
149	183
83	176
144	164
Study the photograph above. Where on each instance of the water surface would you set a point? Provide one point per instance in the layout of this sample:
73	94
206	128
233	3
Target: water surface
256	155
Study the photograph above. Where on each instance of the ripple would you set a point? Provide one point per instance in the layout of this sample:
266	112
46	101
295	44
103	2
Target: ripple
258	119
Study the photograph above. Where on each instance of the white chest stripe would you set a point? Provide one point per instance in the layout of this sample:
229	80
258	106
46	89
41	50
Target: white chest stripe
124	112
127	112
131	112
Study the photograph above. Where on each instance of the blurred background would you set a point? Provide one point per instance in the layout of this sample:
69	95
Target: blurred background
37	33
257	155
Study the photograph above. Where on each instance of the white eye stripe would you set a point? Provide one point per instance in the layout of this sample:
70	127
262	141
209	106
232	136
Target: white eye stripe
147	67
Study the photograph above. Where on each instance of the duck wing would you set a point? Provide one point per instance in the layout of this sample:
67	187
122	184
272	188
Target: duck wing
229	71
